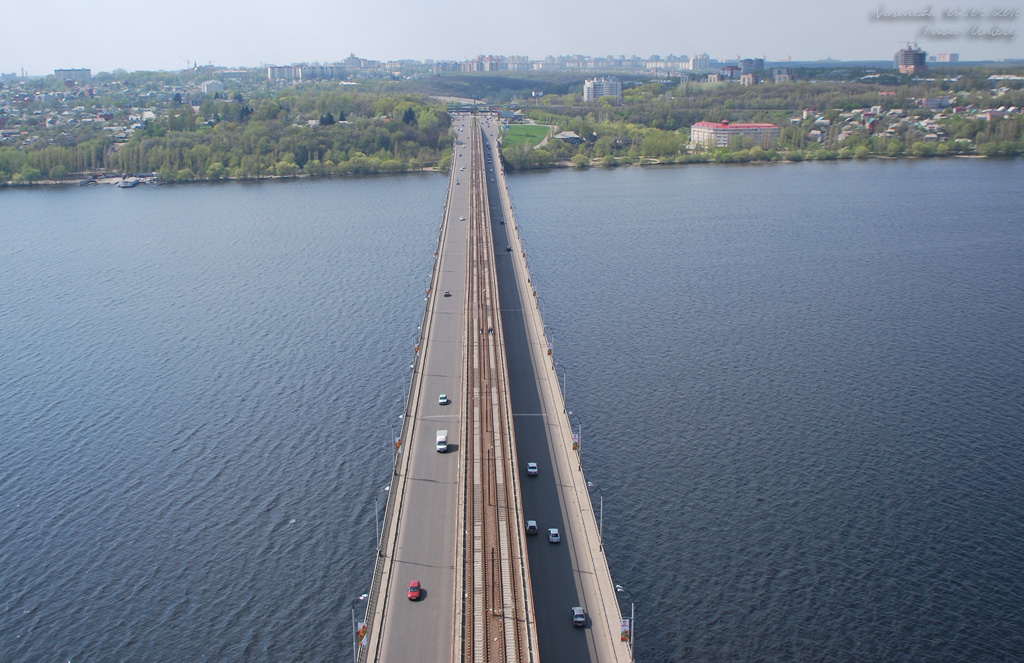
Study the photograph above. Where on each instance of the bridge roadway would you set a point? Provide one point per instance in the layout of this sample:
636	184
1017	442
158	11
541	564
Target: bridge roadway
424	533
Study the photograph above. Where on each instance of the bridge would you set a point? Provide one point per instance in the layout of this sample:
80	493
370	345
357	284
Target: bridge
490	589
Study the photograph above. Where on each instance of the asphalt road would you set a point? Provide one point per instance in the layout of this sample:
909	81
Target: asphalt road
426	545
552	570
422	630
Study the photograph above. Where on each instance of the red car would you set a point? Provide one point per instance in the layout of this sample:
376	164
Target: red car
414	590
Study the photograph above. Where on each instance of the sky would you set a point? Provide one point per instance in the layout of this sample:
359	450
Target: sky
38	37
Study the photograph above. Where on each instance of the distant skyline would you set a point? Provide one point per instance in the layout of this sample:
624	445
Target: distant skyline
41	37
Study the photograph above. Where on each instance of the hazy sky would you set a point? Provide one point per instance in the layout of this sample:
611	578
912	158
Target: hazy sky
42	36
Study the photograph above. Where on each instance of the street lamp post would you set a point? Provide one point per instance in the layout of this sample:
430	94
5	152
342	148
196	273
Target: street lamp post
564	372
355	631
600	527
395	443
632	620
376	516
579	438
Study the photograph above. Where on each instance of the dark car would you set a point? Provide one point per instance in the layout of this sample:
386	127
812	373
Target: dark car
414	590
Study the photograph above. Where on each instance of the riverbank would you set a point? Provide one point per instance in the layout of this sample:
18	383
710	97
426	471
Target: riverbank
624	162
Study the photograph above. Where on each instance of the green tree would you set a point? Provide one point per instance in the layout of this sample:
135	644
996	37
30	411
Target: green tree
30	174
216	171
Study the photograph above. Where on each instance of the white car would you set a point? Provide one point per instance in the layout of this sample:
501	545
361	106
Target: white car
531	469
553	535
443	399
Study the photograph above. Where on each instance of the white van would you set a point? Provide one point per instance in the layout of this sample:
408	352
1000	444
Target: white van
442	441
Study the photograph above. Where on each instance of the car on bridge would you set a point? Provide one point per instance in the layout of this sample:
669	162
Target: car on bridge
553	535
531	526
414	590
579	617
531	469
447	293
443	399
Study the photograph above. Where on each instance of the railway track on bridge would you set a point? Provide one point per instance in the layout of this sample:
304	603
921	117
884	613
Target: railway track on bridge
494	601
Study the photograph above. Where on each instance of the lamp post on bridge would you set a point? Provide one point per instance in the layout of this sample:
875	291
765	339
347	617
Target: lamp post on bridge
396	443
356	637
600	526
578	442
564	372
408	386
629	636
376	516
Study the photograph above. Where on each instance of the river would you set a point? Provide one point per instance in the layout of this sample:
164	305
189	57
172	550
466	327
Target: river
801	389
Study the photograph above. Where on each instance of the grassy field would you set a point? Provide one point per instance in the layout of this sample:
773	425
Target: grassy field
519	134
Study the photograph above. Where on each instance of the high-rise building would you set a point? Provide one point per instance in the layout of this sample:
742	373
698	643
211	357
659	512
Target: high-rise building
948	57
751	65
910	60
698	62
602	86
74	75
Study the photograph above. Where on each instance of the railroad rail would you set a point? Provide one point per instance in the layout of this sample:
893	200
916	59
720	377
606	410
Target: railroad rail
495	596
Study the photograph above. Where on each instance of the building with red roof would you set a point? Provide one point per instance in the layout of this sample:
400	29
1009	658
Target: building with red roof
710	135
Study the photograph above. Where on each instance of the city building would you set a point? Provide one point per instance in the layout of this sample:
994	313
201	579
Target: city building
698	62
783	75
910	60
209	87
602	86
73	75
710	135
305	72
948	57
751	65
283	73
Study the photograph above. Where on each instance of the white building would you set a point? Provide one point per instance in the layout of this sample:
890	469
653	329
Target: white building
76	75
602	86
209	87
698	62
710	135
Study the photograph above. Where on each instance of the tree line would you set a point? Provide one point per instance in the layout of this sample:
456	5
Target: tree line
312	130
653	120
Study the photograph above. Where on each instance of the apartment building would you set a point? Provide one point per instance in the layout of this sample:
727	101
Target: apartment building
602	86
711	135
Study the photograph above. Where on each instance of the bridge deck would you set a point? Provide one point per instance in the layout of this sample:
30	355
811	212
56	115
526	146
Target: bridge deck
455	521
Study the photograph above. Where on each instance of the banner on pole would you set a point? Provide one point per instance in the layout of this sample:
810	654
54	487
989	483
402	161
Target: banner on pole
361	632
624	636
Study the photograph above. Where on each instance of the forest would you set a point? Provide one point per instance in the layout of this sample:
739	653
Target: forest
814	119
313	129
255	128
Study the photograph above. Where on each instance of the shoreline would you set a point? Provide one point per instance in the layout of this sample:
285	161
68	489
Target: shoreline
115	180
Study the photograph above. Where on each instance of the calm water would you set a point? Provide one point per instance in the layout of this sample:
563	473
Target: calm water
801	387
